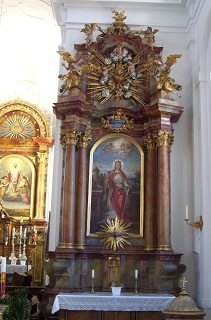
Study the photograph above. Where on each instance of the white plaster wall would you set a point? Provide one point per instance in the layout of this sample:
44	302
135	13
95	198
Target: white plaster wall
201	154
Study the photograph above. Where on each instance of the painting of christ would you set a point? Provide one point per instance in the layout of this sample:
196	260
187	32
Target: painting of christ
17	176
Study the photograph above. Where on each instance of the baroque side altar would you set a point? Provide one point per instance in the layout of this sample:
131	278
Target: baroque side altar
116	132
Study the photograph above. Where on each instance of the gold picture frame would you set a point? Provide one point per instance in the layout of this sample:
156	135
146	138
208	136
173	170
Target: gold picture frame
105	199
17	185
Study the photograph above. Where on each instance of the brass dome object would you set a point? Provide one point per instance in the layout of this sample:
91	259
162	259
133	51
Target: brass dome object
183	307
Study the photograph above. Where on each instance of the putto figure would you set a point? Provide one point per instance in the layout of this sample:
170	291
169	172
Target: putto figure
74	68
89	30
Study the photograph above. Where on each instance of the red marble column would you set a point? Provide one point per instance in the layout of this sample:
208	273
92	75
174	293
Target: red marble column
164	140
81	193
151	195
68	140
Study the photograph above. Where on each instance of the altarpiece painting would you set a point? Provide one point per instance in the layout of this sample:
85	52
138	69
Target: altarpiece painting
17	182
116	183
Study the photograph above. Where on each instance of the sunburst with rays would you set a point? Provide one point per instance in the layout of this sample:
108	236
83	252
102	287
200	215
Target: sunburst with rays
18	125
114	234
121	76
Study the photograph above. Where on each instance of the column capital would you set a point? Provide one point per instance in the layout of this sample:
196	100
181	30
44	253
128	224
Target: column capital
69	136
84	140
42	157
149	141
164	138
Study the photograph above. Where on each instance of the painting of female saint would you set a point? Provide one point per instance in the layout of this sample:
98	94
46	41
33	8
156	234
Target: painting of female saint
116	183
17	185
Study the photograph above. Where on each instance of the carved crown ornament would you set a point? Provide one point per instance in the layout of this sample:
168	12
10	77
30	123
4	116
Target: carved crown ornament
121	65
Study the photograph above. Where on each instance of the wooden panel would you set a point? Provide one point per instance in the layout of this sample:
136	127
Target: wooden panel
117	315
149	316
81	315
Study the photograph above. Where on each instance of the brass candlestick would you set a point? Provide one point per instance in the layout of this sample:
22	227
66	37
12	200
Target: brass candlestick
92	290
136	286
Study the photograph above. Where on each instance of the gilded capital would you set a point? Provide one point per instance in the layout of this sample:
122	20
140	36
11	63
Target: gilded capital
84	140
42	157
163	138
149	141
69	136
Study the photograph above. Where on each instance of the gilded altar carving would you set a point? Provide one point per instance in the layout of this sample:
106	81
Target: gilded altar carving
118	122
114	234
84	140
42	157
74	68
149	141
69	136
25	141
120	73
15	119
163	138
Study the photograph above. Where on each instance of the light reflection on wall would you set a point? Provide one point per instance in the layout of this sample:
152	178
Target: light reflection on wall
29	62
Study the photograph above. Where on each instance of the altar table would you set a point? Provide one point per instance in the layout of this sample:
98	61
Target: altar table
106	302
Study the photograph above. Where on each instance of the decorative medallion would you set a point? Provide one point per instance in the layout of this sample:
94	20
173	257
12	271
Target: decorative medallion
118	122
114	234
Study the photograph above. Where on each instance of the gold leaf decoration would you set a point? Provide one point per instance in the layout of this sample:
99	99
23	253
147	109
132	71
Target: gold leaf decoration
114	234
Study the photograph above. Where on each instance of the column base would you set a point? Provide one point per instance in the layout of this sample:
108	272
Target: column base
149	247
62	245
80	246
164	247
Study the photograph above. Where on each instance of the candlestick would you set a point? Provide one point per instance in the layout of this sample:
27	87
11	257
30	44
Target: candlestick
3	264
186	212
136	274
20	231
24	233
13	233
92	290
136	286
3	276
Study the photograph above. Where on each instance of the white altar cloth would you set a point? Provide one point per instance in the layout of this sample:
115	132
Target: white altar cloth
104	301
16	268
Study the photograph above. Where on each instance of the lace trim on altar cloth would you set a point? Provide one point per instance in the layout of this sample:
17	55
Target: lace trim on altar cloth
107	302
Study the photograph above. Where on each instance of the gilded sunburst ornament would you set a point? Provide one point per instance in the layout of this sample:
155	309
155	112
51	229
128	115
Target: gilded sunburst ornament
114	234
18	125
117	76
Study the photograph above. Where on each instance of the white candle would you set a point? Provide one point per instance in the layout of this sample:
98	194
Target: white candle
93	273
186	212
136	274
21	219
13	232
3	264
20	231
24	234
